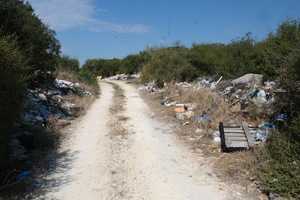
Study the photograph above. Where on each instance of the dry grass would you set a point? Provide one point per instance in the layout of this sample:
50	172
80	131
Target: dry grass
122	118
233	167
117	119
118	131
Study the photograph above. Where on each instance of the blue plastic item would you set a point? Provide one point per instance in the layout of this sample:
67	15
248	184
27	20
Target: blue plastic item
44	112
281	117
207	117
23	175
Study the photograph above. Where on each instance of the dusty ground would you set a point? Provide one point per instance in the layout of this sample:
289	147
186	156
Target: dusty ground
146	161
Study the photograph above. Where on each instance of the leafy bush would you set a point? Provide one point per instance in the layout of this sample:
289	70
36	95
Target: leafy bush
167	64
279	163
279	169
88	77
36	41
66	63
13	70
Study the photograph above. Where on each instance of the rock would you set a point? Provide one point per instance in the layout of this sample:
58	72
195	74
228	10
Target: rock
249	79
42	96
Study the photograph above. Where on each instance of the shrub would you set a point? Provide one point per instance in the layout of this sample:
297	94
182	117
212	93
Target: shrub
13	72
88	77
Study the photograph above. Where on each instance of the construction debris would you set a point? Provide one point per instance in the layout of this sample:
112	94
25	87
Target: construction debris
48	104
246	95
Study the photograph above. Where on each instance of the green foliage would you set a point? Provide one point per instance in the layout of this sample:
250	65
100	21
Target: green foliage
27	46
36	41
206	57
88	77
103	67
13	77
67	64
283	53
280	172
167	64
133	63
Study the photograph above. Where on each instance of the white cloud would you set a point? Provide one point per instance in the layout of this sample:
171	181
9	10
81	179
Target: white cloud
102	26
67	14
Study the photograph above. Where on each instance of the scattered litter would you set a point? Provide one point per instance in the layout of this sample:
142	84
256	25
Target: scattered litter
34	184
206	117
198	130
188	115
23	175
209	174
39	118
217	140
249	79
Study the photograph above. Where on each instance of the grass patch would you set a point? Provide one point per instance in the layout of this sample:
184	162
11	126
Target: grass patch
116	110
118	131
122	118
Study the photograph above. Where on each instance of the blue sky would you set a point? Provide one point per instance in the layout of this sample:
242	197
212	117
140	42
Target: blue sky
89	29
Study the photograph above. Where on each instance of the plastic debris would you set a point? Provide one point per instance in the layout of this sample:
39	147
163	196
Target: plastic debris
23	175
206	117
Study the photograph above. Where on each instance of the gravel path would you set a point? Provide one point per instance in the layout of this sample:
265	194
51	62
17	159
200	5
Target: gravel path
146	162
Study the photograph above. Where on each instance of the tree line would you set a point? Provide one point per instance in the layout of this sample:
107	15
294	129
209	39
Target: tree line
277	57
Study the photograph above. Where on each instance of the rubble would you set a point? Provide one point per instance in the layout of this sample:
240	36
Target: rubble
245	95
47	104
250	79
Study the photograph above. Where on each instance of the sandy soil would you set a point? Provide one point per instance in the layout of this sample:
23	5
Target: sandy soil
146	162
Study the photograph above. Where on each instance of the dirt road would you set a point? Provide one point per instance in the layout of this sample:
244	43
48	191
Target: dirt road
146	162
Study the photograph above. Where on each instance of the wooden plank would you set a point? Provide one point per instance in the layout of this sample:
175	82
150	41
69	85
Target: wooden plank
238	128
234	135
236	138
234	130
237	144
248	134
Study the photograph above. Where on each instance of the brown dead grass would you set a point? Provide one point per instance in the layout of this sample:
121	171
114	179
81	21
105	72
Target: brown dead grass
122	118
118	131
117	118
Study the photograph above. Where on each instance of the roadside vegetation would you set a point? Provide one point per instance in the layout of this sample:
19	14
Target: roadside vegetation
28	47
276	58
30	57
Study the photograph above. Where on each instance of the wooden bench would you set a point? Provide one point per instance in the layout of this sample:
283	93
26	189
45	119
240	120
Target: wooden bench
237	138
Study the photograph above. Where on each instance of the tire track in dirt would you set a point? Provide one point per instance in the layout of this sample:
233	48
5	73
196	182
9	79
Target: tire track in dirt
144	161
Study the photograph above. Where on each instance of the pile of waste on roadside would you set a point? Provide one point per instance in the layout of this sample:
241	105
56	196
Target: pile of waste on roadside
50	104
122	77
244	96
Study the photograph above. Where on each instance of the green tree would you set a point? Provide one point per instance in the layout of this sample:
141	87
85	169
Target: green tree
167	64
206	58
281	174
13	77
132	63
36	41
68	63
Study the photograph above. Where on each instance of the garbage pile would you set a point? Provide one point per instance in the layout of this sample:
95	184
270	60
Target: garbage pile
244	95
121	77
50	104
151	88
247	93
